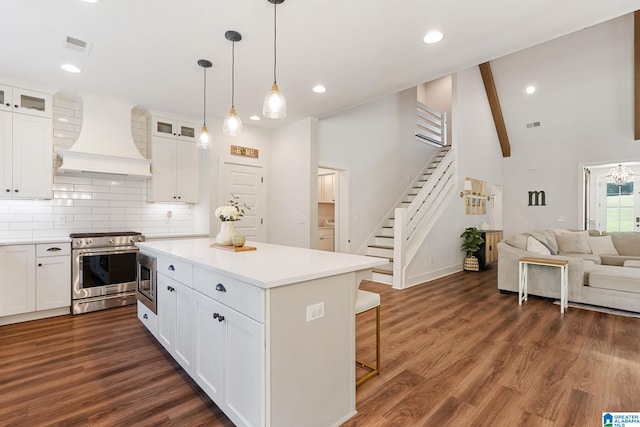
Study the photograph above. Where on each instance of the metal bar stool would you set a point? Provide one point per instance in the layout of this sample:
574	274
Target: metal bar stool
366	301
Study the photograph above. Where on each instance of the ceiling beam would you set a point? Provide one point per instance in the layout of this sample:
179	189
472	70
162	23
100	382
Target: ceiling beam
636	72
496	111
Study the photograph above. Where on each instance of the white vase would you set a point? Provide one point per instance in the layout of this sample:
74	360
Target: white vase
226	233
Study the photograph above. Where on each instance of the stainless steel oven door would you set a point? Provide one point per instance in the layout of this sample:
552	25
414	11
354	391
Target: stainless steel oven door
103	271
146	289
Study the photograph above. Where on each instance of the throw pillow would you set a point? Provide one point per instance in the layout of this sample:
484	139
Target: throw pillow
518	241
537	247
602	245
573	242
542	238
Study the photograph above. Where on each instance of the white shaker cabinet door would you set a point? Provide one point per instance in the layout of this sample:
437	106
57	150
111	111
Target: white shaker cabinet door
17	279
32	157
175	324
53	282
230	361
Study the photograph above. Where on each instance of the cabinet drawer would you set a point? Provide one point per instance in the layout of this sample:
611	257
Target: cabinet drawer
53	249
148	318
242	297
175	269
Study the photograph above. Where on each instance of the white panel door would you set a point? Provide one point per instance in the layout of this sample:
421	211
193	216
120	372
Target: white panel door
247	182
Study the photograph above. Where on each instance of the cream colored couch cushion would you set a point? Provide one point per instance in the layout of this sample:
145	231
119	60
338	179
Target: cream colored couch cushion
602	245
622	279
573	242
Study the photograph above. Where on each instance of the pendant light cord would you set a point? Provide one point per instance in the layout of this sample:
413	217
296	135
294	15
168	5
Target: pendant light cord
275	30
204	97
233	73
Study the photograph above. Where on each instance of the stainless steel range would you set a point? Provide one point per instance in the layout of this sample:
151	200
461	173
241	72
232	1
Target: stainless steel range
103	270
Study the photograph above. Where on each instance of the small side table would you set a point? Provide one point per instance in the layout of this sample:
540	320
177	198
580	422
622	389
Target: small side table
564	278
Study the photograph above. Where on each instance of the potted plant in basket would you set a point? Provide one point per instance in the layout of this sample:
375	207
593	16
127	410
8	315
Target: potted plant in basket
472	241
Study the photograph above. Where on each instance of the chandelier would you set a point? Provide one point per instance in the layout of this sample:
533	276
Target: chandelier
620	175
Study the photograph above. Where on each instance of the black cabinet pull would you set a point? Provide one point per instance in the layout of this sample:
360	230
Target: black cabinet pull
171	288
39	264
8	190
145	316
172	268
16	190
220	318
220	287
215	315
8	104
54	249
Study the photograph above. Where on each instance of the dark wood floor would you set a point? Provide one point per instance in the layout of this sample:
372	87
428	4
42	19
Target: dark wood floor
456	352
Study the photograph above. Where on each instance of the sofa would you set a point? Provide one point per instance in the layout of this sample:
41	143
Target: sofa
604	268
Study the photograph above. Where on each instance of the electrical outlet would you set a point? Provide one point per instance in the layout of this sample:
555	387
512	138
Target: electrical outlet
61	220
315	311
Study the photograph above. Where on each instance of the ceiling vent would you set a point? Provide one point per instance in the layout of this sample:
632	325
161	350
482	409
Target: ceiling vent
533	125
78	45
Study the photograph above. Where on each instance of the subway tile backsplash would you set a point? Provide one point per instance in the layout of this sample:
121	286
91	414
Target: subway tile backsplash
83	203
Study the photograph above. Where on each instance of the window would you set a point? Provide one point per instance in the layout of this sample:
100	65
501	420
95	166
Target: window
620	207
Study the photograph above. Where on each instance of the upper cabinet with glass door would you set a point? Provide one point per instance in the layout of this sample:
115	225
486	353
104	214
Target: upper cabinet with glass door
25	101
171	128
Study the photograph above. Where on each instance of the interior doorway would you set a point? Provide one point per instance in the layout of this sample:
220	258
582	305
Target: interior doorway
333	209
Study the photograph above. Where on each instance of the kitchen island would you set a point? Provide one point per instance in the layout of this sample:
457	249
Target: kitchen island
268	334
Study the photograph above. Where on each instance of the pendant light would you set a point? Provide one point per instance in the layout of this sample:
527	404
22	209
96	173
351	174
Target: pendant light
275	106
232	125
203	140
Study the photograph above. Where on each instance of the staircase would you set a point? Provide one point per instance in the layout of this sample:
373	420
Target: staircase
399	237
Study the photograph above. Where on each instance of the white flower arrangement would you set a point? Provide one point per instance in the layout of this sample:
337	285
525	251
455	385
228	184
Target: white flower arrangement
232	211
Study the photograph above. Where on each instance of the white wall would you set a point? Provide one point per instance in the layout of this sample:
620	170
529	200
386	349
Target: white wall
292	189
376	144
584	104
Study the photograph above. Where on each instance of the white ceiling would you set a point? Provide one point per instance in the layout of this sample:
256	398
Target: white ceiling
145	51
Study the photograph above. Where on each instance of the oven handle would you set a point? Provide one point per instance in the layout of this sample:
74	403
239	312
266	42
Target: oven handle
100	251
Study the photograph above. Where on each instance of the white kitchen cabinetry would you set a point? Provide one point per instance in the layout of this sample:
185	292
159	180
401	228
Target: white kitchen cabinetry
18	279
25	101
173	128
175	162
175	320
326	188
26	144
325	238
53	276
175	309
35	281
229	360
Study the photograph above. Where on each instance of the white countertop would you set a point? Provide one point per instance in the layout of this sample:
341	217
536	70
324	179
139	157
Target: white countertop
268	266
33	240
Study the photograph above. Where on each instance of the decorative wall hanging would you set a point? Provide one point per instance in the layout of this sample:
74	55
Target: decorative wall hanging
475	196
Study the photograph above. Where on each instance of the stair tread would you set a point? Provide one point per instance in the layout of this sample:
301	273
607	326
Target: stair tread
387	272
385	237
383	257
380	247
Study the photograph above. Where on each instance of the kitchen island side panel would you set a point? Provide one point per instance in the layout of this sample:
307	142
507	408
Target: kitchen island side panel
311	365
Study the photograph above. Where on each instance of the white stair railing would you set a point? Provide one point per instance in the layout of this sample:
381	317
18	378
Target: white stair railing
431	125
413	223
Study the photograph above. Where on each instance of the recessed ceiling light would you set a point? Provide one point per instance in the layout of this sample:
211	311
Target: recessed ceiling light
91	1
63	119
319	89
530	89
254	118
70	68
433	37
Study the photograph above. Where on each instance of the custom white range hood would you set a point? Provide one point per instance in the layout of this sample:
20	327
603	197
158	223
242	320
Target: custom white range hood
105	144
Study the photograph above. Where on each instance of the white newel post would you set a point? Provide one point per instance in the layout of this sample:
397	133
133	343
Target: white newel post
399	242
